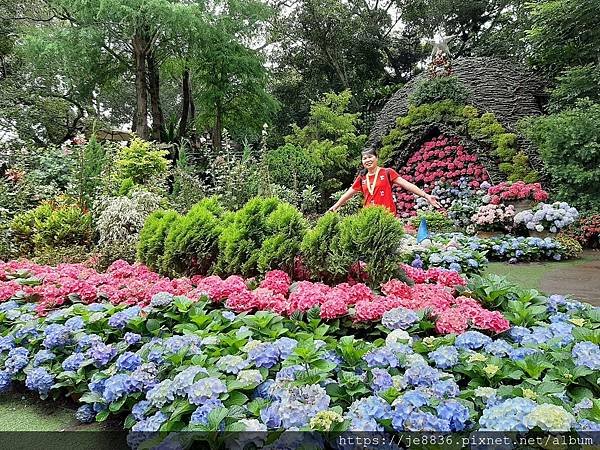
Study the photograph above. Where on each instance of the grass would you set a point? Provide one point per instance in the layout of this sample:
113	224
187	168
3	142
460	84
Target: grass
529	275
23	413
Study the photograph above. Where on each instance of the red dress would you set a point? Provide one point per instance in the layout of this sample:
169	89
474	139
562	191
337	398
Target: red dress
382	193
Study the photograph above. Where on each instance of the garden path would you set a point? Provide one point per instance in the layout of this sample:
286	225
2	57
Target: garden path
581	281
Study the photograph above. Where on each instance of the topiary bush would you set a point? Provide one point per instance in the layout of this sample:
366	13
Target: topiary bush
140	162
286	227
191	245
372	236
241	240
151	245
436	221
291	166
316	247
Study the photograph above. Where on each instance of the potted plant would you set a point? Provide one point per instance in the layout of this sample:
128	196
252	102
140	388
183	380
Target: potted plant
520	195
546	218
491	220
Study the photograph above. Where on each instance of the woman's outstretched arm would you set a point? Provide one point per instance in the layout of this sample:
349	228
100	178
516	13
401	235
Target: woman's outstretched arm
407	185
343	199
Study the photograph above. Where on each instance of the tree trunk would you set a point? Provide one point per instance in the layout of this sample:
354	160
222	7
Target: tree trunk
158	121
141	91
218	129
185	106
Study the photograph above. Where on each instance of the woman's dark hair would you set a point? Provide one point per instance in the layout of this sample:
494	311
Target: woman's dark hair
367	151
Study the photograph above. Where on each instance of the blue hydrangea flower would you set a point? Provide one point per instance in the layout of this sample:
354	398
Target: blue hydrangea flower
382	380
29	331
415	398
333	357
446	389
143	378
455	413
587	354
262	390
5	381
507	415
444	357
128	361
184	379
231	364
57	336
587	425
399	318
264	354
161	299
229	315
200	415
115	388
17	359
151	424
371	407
204	389
381	357
421	375
97	386
120	319
539	335
270	415
471	340
456	267
74	323
42	357
101	354
132	338
417	262
85	414
288	373
519	354
285	346
518	333
175	344
160	394
73	362
96	307
299	404
424	421
39	380
7	306
499	348
562	331
86	341
140	409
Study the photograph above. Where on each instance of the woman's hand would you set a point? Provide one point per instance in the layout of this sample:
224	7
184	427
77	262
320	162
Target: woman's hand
433	201
334	208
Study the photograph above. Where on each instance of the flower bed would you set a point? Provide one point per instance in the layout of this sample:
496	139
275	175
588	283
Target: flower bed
507	191
547	217
182	365
432	296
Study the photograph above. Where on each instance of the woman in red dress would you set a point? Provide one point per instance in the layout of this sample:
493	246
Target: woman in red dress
376	183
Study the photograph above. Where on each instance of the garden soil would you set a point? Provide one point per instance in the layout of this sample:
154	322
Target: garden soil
581	281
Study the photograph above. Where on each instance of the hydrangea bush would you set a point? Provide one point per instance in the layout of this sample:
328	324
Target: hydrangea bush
547	217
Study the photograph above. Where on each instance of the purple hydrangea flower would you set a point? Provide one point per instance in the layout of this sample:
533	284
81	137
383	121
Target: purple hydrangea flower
424	421
73	362
264	354
115	387
140	409
86	341
151	424
120	319
270	415
57	336
288	373
382	380
128	361
101	354
184	379
132	338
143	378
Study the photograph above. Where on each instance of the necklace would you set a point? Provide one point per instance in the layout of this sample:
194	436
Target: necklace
371	188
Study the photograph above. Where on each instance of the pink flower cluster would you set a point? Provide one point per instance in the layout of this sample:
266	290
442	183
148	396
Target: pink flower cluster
516	191
440	159
445	277
121	283
124	283
494	217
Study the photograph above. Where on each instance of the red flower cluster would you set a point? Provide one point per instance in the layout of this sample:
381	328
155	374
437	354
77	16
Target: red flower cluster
516	191
136	284
440	159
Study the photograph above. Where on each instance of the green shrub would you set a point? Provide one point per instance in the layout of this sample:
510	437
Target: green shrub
291	166
191	245
151	245
571	249
141	162
316	248
372	236
569	144
241	240
438	89
436	221
286	227
59	223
